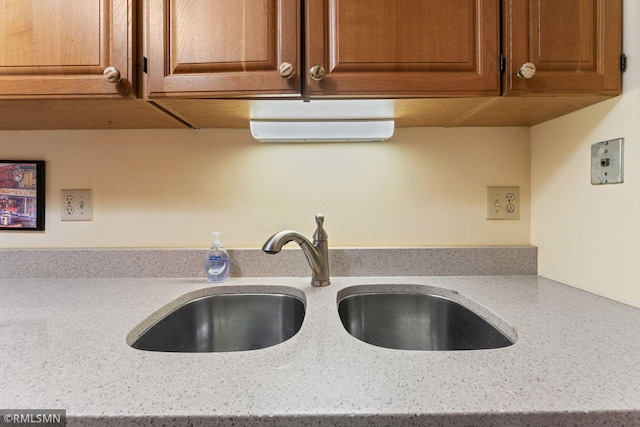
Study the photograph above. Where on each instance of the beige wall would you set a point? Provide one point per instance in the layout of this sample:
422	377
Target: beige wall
158	188
588	235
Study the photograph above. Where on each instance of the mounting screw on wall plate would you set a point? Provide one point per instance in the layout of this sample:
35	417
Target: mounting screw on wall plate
503	203
607	162
76	205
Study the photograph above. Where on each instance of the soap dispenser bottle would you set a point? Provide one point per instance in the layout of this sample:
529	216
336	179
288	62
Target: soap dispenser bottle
216	262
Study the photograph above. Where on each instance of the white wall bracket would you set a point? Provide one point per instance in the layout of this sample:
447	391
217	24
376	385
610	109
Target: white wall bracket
607	162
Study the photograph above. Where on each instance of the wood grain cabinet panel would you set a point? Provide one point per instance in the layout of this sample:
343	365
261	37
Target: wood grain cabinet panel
382	48
403	48
374	48
442	51
575	46
55	48
222	47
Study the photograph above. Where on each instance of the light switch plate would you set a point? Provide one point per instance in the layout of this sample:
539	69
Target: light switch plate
607	162
503	203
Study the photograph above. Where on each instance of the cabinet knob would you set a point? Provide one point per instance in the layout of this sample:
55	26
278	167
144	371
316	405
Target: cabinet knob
111	74
286	70
526	71
317	72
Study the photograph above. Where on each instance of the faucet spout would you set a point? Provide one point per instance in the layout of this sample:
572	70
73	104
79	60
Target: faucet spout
277	241
317	253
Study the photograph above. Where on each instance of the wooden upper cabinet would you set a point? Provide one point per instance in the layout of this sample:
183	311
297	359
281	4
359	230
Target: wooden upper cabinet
57	48
222	47
403	47
575	46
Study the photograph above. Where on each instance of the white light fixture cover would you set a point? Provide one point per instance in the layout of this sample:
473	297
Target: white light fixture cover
322	130
322	109
322	120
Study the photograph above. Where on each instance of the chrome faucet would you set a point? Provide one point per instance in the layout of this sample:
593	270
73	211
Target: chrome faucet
317	253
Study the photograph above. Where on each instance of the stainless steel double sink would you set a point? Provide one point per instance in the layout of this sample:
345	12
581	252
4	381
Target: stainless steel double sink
399	317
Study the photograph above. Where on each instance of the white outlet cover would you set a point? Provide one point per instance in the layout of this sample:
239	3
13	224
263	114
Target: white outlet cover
503	203
76	205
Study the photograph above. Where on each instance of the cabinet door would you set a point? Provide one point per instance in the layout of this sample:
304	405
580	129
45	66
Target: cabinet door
57	48
575	46
222	47
403	47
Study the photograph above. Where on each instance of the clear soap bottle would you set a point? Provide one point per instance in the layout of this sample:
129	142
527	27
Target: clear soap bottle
216	262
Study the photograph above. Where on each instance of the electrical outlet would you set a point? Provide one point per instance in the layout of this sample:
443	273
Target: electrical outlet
503	203
76	205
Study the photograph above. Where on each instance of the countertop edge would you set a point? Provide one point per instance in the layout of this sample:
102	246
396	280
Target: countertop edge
530	419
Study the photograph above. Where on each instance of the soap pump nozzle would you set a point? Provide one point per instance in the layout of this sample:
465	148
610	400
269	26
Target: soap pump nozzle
216	240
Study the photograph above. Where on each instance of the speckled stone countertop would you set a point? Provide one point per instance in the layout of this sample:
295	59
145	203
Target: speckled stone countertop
63	346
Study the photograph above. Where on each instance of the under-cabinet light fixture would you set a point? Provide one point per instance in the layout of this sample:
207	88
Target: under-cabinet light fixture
322	120
322	130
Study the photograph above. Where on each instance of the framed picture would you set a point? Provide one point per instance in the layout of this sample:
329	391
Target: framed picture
22	195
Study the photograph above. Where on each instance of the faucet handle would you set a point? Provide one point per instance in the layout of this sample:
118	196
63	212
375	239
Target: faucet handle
320	235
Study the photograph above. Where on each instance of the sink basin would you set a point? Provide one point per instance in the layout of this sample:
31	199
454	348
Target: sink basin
417	321
225	322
